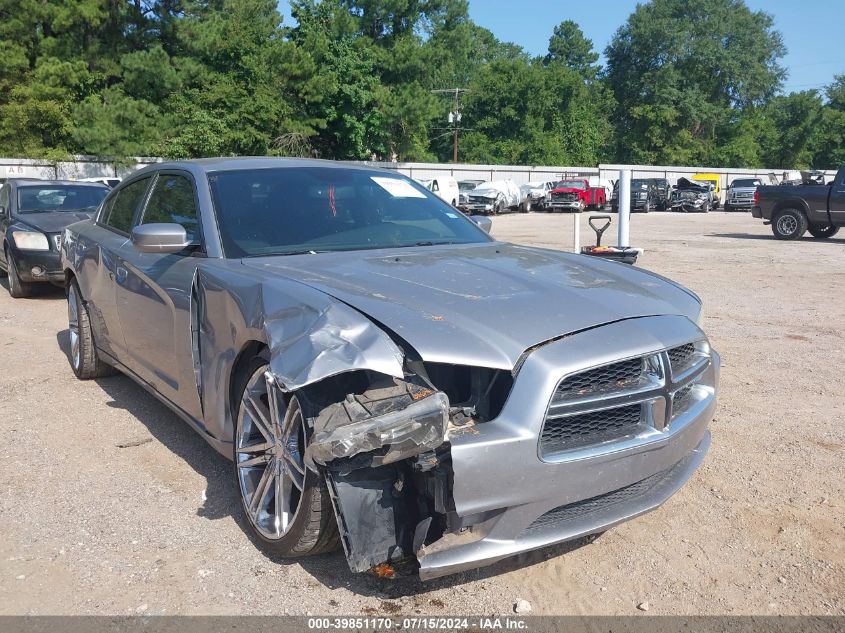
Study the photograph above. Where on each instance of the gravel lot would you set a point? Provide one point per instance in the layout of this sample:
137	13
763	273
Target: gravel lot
109	504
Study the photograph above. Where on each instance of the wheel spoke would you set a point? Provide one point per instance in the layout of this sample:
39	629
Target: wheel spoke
273	402
259	419
281	519
295	472
255	461
265	484
263	447
283	514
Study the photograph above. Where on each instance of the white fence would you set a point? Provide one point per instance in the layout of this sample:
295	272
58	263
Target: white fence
90	167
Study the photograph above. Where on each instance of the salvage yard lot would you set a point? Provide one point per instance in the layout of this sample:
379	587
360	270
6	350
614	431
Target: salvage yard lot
109	504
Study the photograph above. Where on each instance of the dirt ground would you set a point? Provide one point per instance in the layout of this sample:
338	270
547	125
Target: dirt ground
109	504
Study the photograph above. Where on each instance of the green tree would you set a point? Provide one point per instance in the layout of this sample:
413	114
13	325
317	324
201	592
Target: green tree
828	142
682	71
569	47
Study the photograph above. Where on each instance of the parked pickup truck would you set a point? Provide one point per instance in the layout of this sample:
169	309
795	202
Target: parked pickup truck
575	195
792	211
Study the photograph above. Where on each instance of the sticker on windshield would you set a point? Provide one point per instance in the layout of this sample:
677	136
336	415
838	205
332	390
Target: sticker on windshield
397	188
451	215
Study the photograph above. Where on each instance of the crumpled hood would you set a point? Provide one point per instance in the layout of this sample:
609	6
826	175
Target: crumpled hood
483	304
53	222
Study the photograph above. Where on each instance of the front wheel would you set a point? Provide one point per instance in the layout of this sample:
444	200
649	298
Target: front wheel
287	504
18	289
823	232
789	224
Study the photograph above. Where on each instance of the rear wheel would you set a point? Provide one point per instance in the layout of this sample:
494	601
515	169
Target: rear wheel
17	288
287	505
728	208
823	232
789	224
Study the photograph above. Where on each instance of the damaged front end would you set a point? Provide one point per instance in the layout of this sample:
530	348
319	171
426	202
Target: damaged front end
382	447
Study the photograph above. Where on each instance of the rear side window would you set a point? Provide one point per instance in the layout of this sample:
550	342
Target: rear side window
173	200
5	198
119	213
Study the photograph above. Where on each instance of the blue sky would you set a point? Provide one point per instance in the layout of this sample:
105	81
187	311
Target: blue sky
811	29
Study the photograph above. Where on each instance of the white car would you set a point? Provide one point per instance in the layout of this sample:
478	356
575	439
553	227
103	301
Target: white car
445	187
534	194
104	180
495	196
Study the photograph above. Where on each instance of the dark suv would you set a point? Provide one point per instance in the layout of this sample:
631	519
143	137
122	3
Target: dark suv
644	196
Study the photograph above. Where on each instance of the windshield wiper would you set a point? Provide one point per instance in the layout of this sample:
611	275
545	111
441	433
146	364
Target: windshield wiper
424	243
302	252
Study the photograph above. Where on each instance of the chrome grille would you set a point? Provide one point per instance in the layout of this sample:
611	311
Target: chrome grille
584	429
626	374
573	511
567	196
682	400
623	400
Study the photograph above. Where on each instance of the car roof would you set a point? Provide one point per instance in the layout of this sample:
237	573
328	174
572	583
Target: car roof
255	162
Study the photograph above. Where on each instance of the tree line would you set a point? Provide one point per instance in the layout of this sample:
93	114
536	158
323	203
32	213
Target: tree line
685	82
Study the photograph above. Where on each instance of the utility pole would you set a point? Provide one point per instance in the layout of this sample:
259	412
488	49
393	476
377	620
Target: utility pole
454	117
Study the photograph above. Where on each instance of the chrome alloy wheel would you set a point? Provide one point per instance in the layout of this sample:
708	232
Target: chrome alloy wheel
269	448
787	225
73	324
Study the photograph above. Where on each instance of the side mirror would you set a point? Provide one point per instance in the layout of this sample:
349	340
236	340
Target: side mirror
483	222
160	238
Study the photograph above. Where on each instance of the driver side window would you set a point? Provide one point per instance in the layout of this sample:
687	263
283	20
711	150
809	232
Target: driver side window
173	201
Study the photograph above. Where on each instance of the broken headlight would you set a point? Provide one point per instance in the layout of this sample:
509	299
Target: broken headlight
393	436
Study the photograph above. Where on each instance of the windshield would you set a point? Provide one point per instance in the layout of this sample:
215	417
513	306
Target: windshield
751	182
313	209
46	198
570	184
468	185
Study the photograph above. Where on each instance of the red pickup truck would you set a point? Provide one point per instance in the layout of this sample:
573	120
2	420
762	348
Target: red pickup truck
576	195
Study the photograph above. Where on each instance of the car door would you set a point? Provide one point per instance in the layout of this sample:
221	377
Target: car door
837	199
97	269
5	219
154	295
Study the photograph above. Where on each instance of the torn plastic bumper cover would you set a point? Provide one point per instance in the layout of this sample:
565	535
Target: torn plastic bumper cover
419	427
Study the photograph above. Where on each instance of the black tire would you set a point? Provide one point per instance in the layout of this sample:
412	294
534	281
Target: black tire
647	207
83	357
789	224
705	208
18	289
313	529
498	207
823	232
728	208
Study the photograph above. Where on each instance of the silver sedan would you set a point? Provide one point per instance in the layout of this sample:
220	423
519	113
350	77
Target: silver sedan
383	373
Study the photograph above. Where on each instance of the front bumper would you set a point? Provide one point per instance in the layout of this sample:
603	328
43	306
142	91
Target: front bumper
476	207
502	487
28	263
565	205
741	203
